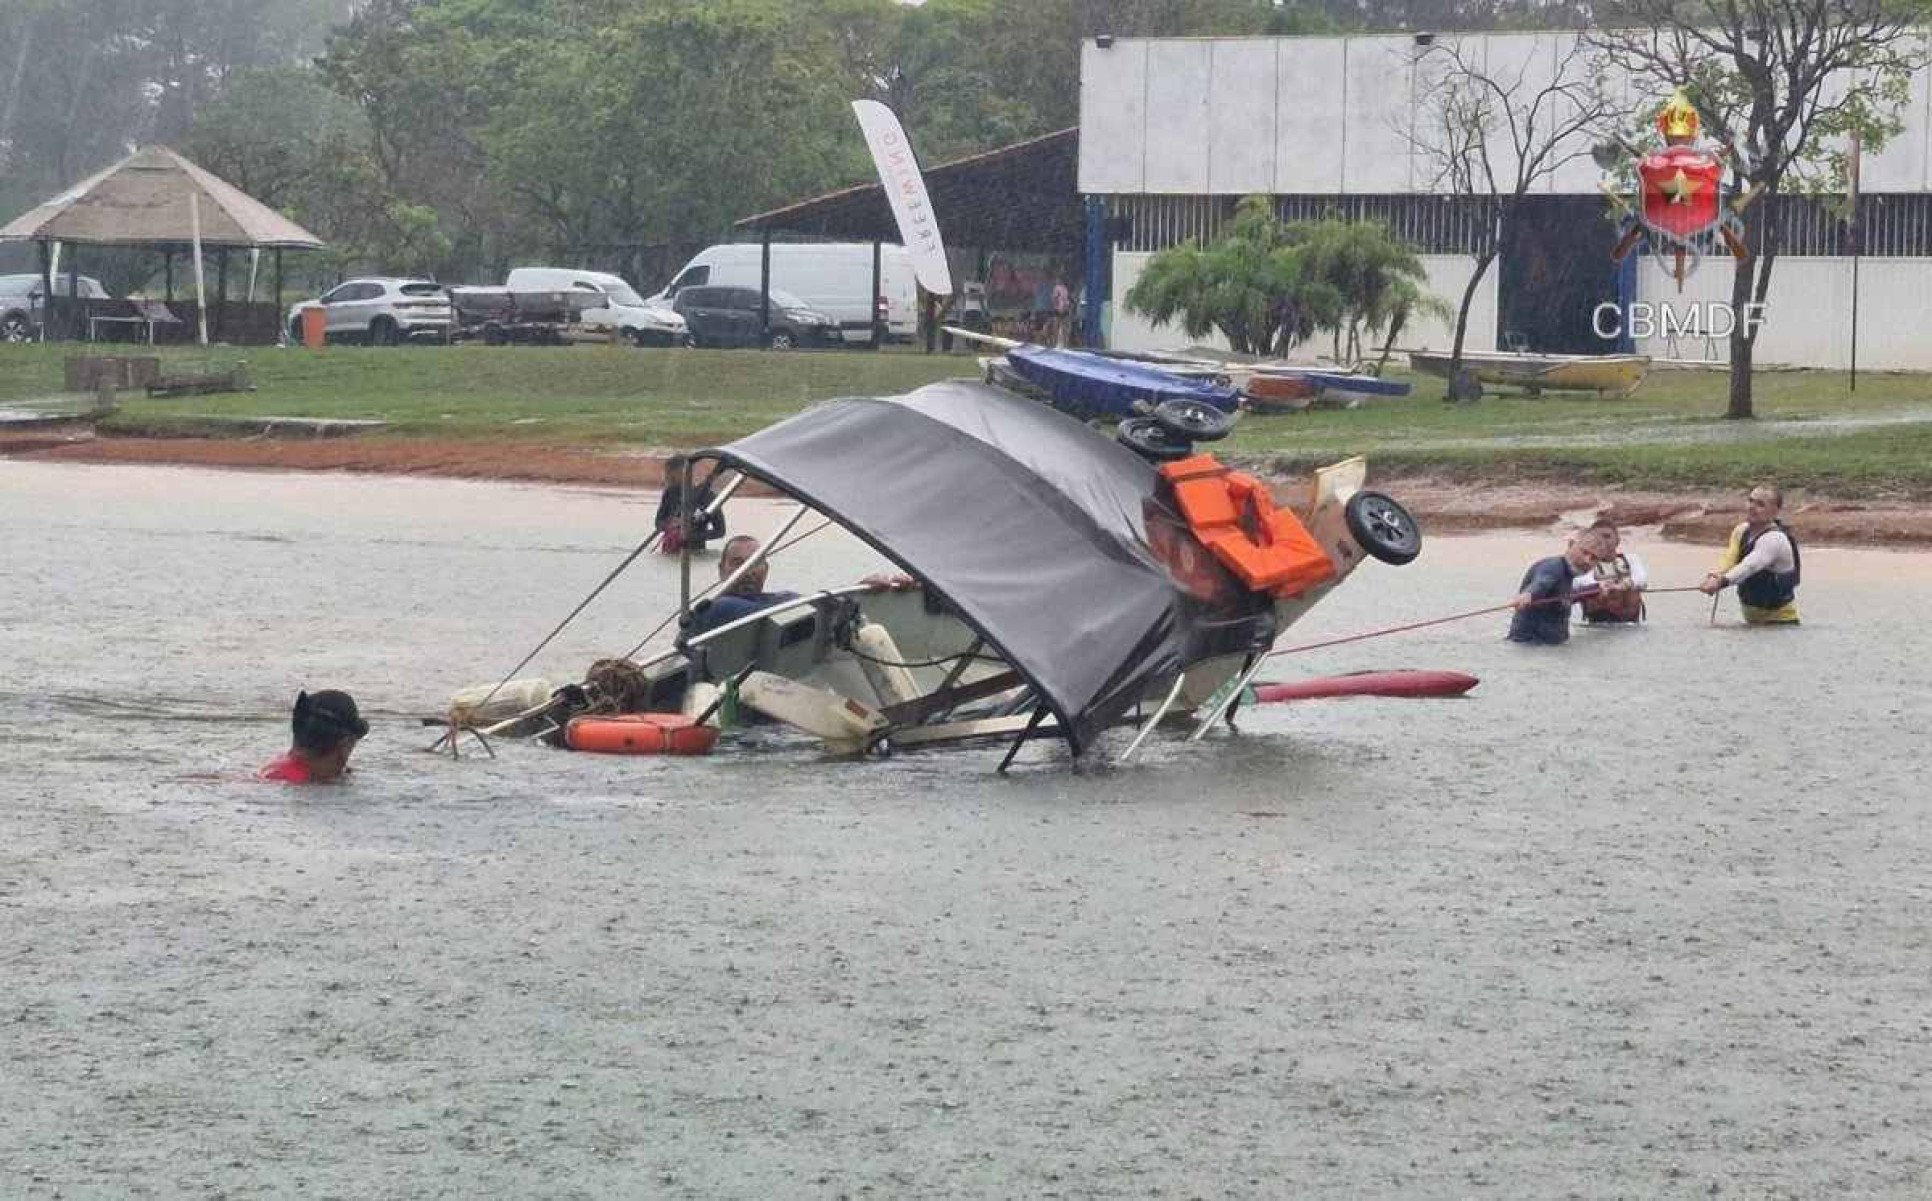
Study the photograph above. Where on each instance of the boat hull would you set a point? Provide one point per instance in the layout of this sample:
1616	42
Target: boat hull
1606	375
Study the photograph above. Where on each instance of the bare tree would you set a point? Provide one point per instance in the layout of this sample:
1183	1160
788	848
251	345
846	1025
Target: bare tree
1783	82
1494	133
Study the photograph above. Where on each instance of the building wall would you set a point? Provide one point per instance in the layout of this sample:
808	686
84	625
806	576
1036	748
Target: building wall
1447	276
1228	116
1808	313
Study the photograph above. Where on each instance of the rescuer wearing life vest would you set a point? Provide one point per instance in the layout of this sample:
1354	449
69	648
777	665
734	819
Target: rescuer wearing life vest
1762	561
1612	593
327	728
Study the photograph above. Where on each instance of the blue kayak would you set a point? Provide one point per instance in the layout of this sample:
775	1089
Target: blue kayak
1091	385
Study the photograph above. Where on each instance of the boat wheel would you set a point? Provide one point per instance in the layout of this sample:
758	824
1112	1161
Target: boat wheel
1383	527
1193	420
1151	440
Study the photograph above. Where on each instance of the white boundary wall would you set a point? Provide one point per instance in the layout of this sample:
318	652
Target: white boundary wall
1808	312
1320	116
1448	274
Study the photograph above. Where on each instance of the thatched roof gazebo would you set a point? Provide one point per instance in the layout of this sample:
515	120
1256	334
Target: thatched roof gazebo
159	200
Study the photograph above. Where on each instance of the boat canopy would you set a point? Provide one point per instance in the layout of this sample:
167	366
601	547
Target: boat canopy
1053	542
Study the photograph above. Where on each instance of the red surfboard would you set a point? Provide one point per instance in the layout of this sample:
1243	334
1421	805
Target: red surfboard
1369	683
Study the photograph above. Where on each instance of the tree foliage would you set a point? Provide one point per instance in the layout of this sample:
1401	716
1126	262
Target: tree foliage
1785	83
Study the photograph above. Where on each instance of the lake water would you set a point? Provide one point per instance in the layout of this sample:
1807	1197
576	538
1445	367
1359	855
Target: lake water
1644	915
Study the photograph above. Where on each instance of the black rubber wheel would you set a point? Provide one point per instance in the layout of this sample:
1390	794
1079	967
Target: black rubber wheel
295	333
382	332
1151	440
16	328
1194	420
493	335
780	340
1383	527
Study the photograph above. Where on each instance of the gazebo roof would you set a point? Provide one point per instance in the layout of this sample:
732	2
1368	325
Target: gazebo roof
143	200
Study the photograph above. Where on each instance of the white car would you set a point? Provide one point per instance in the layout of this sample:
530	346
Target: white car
380	310
20	297
645	322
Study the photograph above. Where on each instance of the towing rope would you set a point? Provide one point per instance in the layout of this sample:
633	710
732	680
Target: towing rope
1566	599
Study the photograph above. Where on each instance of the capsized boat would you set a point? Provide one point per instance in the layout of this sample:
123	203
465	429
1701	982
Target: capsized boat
1089	385
1068	583
1282	384
1603	374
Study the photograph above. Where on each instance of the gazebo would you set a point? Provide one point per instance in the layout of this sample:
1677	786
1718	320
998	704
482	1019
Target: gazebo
158	200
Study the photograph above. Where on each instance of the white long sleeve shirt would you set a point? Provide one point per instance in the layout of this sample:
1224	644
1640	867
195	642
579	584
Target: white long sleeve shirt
1772	553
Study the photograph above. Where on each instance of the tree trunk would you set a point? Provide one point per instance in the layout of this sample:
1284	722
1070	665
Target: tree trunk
1462	312
1744	332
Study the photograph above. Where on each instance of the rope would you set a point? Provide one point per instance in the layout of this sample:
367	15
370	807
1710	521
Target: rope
1566	599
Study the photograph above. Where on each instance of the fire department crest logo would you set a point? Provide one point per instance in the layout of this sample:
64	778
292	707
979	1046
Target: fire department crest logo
1680	211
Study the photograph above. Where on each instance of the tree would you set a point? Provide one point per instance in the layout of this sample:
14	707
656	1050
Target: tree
1493	132
1379	279
1784	82
1269	286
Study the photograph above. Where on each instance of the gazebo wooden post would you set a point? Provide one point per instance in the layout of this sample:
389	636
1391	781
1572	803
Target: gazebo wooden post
73	289
221	293
167	273
46	287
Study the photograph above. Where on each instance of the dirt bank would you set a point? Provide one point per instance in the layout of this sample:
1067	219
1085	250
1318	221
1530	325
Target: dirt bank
1460	505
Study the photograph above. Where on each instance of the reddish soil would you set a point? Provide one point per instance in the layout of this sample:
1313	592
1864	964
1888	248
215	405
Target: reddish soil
1460	505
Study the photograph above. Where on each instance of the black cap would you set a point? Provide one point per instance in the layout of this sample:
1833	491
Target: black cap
325	718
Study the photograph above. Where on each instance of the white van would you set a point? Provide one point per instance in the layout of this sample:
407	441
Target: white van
834	278
644	322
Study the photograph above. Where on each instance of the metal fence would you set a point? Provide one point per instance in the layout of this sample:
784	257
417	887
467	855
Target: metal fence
1893	225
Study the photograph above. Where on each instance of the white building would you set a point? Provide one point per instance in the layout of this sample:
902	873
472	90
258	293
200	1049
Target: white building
1174	131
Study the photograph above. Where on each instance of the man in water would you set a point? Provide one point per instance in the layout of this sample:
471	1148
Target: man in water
670	508
327	728
746	595
1613	593
1543	599
1762	561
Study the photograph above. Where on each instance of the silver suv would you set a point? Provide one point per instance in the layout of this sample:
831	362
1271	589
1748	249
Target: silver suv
20	297
380	310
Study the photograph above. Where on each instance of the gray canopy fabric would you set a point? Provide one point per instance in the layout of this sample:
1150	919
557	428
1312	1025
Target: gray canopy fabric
143	200
1030	525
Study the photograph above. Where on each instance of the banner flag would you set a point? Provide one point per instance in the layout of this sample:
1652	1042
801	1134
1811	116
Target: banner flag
905	188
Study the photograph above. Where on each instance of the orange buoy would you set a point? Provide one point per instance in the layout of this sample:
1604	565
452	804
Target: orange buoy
640	734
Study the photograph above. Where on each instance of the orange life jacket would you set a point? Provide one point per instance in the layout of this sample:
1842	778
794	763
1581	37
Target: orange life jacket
1619	606
1234	515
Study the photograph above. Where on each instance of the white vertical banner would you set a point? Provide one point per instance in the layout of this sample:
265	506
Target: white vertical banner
905	188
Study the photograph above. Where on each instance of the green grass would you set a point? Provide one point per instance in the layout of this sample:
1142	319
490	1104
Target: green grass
1812	432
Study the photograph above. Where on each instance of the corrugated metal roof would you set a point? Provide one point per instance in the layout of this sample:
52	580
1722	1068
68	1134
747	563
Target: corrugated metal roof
143	200
1018	197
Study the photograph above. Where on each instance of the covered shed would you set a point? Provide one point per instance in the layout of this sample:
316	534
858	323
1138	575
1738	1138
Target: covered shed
1023	198
158	200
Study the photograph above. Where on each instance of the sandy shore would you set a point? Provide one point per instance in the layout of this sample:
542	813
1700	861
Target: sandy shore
1460	505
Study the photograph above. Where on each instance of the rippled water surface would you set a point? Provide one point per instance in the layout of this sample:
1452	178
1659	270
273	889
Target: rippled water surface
1645	915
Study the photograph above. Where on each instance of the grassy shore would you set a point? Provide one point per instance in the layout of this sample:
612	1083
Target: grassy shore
1811	433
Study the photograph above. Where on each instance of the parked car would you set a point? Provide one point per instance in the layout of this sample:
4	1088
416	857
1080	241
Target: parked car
734	317
834	278
20	297
380	310
620	308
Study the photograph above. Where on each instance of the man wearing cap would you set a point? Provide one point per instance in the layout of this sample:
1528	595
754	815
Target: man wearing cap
327	728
